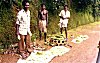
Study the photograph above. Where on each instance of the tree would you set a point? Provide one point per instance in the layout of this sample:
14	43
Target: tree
81	5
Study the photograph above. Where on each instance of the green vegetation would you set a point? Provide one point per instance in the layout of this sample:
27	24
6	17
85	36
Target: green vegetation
82	12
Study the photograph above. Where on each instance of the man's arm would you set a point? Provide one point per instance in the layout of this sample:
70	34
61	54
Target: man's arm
17	23
47	18
17	29
64	18
60	15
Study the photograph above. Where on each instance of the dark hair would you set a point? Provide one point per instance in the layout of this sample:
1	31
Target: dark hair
65	6
24	2
42	4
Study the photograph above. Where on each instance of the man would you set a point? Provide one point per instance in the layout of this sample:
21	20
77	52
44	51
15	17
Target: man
43	21
23	29
64	17
98	57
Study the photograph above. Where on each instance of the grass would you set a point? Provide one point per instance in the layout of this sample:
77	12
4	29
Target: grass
75	31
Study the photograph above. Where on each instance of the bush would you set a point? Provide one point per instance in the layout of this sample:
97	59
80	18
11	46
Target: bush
7	30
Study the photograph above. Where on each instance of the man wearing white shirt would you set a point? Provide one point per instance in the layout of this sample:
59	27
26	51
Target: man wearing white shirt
64	17
23	29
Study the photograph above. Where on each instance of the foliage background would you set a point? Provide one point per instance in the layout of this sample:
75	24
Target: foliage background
82	12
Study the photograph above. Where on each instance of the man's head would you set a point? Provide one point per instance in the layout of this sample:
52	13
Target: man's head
65	7
25	4
43	6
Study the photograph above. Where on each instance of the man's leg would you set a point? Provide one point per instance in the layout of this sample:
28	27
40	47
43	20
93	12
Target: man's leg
45	34
22	47
28	40
28	43
21	43
40	29
61	30
40	35
45	30
66	32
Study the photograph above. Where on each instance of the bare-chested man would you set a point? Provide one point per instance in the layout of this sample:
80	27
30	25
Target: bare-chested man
43	21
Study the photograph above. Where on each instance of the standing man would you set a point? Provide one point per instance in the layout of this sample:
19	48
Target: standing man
23	29
64	17
43	21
